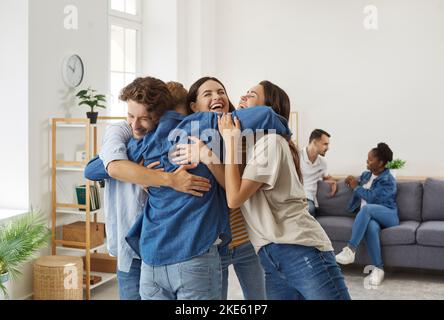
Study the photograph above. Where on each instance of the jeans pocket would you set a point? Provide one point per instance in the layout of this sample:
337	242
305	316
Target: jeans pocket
196	278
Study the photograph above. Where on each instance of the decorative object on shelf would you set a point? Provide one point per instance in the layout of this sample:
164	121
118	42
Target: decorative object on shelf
73	70
20	240
76	232
93	280
395	165
90	98
81	156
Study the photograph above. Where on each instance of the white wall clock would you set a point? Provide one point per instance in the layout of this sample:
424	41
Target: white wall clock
73	70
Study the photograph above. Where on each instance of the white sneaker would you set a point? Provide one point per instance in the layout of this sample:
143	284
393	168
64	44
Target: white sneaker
346	256
376	277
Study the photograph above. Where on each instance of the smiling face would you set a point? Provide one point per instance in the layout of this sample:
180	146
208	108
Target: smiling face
374	164
212	97
140	120
254	97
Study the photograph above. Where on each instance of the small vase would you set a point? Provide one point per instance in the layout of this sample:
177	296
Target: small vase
6	282
92	116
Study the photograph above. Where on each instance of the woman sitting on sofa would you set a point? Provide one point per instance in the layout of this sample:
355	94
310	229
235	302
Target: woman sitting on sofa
374	195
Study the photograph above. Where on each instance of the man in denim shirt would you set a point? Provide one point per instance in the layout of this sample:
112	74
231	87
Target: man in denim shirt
124	201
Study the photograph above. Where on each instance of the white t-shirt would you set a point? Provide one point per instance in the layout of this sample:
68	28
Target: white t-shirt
367	186
278	211
312	173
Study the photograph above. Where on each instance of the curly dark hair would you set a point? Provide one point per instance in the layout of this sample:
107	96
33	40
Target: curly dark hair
152	93
383	153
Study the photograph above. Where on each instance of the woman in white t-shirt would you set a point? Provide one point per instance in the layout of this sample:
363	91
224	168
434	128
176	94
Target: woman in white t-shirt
294	250
374	200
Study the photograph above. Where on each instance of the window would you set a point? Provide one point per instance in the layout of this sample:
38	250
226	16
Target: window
125	49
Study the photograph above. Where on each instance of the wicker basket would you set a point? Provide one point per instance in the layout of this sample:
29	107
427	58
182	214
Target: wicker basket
58	278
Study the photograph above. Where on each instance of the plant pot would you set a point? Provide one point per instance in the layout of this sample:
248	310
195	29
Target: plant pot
394	172
92	116
6	282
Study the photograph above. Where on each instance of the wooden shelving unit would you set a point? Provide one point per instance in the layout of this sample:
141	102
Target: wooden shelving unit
74	209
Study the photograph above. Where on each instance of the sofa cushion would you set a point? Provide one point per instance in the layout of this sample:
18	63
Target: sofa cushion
409	200
403	234
337	228
333	206
431	233
433	200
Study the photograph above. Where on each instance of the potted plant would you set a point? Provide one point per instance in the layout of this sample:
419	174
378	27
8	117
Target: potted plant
20	240
90	98
394	165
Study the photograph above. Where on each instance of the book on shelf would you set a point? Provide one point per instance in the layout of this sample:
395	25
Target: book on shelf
95	203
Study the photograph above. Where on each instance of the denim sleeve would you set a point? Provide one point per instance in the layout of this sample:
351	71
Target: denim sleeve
378	194
95	170
115	141
257	118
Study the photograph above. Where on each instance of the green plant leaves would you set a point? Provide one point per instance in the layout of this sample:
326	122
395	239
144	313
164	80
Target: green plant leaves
89	98
396	164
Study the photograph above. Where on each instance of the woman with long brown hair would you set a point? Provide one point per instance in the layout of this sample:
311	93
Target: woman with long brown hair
294	250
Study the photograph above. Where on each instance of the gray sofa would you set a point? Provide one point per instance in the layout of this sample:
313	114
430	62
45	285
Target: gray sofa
418	241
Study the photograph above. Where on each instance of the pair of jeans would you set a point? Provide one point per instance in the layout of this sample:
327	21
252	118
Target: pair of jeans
199	278
248	270
311	208
368	223
129	281
295	272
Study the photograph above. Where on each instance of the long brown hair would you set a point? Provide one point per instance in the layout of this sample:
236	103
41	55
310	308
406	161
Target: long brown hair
278	100
194	90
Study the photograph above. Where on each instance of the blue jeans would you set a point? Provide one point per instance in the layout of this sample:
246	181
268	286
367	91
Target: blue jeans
129	282
311	208
294	272
248	270
368	223
199	278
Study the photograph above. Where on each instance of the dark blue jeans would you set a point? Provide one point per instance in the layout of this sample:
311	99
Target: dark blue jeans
294	272
311	207
129	282
368	223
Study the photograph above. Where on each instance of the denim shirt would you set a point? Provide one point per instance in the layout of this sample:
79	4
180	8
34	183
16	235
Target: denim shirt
382	191
175	226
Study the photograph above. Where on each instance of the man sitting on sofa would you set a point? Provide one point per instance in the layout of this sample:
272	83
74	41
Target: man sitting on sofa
314	167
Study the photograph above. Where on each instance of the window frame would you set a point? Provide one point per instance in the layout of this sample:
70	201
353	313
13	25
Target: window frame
127	16
121	19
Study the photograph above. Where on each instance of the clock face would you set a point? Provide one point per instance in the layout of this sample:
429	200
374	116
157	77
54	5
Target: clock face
73	70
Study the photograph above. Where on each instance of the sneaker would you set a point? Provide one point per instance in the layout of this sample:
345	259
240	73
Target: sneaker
376	277
346	256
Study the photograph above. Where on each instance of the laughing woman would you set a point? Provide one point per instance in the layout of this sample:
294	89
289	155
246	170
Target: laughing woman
294	250
208	94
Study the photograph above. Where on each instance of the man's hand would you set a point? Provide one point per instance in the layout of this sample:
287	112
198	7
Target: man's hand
333	186
183	181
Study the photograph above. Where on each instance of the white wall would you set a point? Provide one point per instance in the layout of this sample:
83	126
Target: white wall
362	86
14	104
49	44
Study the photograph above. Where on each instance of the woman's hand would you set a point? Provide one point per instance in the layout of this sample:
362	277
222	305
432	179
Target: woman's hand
193	153
351	182
227	128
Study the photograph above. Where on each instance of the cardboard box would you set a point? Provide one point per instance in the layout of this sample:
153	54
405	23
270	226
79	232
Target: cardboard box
77	232
102	262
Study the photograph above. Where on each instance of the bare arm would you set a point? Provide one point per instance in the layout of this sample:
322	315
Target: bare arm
238	190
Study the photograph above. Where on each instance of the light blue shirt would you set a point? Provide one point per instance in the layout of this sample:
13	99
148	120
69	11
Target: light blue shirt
123	202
